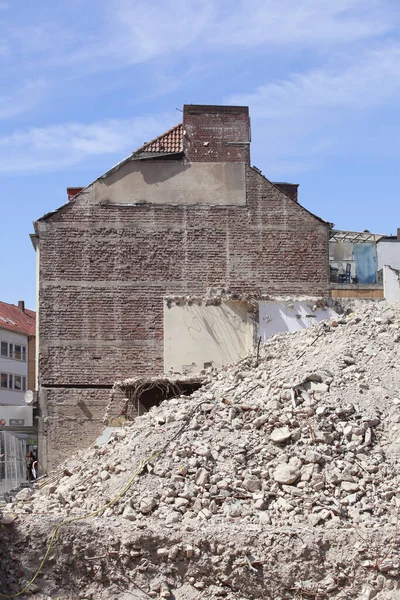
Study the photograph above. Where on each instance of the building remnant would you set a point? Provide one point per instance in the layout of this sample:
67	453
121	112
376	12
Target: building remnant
183	216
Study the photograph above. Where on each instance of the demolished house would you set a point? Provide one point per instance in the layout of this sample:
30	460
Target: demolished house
172	262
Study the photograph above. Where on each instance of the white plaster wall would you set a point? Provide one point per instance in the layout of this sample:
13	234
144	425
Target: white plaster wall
391	283
280	317
195	335
15	367
173	182
388	254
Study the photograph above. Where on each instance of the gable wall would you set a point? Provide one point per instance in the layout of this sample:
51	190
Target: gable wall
105	271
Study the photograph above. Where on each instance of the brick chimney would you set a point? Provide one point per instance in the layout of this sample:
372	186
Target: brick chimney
398	234
216	133
290	189
73	191
21	305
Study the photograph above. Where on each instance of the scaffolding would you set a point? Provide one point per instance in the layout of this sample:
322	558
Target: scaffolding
13	471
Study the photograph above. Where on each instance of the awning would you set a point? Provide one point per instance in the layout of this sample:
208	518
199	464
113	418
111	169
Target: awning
354	237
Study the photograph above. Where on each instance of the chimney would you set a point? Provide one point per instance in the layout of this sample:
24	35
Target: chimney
290	189
398	234
21	305
216	133
73	191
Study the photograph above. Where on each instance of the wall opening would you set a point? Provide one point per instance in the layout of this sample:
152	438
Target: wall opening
134	397
154	395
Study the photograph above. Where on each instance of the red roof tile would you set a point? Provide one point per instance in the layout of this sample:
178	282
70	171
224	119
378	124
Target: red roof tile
168	142
14	319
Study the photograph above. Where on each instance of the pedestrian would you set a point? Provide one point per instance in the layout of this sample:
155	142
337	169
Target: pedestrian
34	467
31	466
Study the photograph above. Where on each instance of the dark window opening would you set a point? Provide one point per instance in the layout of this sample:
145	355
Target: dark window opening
155	395
136	397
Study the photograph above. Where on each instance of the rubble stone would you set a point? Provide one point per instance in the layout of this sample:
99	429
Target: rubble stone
287	462
286	474
280	434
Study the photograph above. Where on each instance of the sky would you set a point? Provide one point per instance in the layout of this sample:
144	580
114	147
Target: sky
85	82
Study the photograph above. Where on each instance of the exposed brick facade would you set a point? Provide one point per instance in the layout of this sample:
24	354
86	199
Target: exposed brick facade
104	271
216	133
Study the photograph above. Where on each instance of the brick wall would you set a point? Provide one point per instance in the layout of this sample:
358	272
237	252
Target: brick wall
104	271
216	133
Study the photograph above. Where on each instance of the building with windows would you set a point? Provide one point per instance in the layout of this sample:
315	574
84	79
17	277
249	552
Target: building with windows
17	352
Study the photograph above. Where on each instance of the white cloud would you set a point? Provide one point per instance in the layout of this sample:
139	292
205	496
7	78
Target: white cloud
21	99
300	121
127	32
124	32
140	31
66	145
62	46
144	30
305	22
368	82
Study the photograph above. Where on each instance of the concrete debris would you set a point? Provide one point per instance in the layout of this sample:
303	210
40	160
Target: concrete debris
283	484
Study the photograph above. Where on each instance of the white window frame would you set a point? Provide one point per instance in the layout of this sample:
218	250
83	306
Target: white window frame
11	351
11	385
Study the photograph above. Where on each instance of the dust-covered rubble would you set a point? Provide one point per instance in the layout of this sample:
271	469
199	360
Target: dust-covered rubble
278	479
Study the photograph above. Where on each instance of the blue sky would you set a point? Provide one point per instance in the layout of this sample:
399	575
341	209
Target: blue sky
84	82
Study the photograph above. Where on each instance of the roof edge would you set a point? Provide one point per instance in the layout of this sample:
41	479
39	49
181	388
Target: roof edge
330	225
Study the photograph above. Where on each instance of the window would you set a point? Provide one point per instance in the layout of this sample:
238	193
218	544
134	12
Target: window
6	381
19	352
12	382
16	351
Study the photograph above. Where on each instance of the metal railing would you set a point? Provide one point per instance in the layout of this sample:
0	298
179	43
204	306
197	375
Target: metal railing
13	472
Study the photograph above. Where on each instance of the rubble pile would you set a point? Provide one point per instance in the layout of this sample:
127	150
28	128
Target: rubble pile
278	479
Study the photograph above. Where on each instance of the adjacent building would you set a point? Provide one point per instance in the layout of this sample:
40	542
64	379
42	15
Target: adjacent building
17	353
171	262
389	265
364	265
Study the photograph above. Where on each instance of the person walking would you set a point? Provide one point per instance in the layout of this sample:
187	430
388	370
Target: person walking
31	466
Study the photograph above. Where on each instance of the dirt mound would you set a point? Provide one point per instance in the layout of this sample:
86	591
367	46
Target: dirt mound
278	479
